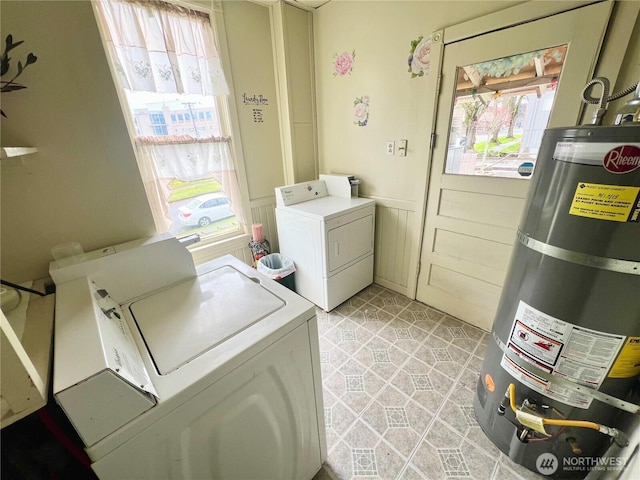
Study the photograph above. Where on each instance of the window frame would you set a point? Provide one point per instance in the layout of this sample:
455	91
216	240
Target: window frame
202	249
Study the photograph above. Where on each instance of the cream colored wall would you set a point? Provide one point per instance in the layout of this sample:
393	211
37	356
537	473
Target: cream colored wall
380	33
629	72
300	90
269	49
83	184
248	28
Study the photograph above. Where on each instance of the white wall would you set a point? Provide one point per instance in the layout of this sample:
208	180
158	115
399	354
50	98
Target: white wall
380	33
83	184
629	73
270	55
298	88
253	71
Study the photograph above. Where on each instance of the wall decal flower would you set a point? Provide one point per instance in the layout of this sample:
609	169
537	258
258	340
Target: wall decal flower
361	110
420	56
343	63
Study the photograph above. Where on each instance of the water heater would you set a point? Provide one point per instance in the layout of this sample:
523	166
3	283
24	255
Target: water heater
564	352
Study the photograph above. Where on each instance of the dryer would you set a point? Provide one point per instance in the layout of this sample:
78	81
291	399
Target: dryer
329	235
166	370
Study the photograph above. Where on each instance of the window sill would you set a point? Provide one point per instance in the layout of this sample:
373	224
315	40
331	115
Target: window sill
206	251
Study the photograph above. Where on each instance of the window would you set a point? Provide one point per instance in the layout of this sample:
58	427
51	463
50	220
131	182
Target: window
157	118
166	63
501	109
160	130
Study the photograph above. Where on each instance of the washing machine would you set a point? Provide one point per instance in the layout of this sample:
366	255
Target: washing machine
329	235
167	370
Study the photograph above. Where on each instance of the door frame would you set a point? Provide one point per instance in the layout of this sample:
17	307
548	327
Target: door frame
608	66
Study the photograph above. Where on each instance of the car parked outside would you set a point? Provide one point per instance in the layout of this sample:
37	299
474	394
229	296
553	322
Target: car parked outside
205	210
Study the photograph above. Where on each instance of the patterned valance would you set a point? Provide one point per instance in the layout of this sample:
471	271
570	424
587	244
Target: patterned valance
179	140
161	50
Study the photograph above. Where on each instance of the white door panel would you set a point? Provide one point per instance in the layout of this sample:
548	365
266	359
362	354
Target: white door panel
466	288
471	217
474	250
480	207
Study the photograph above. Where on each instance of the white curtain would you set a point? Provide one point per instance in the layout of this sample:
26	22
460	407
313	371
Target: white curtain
164	48
157	47
186	158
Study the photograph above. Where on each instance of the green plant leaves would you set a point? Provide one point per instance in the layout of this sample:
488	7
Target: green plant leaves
5	65
12	87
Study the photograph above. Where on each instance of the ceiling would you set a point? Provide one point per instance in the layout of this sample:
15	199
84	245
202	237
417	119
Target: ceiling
308	4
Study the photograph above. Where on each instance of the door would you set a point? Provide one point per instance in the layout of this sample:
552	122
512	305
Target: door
499	91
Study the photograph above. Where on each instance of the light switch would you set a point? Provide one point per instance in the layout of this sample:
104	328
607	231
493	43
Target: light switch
402	148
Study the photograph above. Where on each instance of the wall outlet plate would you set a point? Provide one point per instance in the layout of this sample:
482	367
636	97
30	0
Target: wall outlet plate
391	148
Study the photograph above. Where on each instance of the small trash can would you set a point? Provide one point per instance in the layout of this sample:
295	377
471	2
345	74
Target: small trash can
279	268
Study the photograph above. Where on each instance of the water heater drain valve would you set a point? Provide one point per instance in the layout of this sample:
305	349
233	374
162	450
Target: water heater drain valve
532	421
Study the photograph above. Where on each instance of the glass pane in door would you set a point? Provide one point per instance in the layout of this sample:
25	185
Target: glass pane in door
500	111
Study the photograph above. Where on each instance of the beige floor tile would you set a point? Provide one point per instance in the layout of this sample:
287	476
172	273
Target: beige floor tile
399	381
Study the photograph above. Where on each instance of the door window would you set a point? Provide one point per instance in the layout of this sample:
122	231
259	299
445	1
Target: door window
500	111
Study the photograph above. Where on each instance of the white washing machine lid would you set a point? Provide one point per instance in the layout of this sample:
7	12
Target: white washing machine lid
180	323
326	208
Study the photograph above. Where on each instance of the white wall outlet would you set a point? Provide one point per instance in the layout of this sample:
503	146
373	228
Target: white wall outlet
402	148
391	148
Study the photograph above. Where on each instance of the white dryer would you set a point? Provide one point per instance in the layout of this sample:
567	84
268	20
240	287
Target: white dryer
171	371
329	235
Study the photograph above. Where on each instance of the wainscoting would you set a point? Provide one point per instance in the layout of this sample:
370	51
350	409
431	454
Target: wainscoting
396	245
396	241
263	211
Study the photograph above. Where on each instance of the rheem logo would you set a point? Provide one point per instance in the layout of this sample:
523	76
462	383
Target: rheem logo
547	463
622	159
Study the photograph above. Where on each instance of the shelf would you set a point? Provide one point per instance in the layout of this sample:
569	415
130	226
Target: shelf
8	152
26	361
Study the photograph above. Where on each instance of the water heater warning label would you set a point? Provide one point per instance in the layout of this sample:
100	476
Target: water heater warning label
606	202
559	348
628	362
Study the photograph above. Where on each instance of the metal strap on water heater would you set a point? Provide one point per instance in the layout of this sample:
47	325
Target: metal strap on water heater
600	396
604	263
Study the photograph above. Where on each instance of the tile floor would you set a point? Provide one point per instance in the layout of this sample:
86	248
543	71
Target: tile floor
399	380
